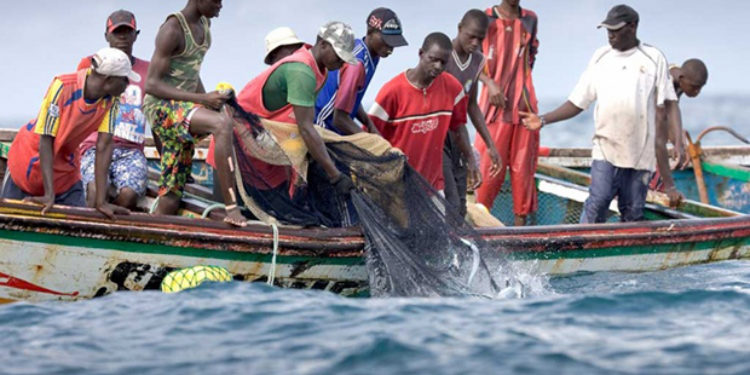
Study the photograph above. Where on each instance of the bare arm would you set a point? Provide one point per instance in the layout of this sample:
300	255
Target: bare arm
315	145
364	118
674	116
566	111
496	96
474	177
477	118
662	156
343	122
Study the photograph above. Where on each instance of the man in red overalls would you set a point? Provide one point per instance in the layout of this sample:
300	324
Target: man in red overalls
510	47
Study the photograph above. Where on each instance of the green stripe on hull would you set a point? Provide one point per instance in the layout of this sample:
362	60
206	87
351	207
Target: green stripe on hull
740	174
628	251
132	247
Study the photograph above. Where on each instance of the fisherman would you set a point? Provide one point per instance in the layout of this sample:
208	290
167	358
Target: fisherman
340	100
511	47
286	93
688	79
465	64
44	159
416	109
128	169
181	112
628	80
279	43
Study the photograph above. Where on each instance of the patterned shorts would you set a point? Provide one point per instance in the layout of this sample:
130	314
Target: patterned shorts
170	121
127	170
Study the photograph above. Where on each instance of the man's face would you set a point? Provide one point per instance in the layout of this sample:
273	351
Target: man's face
122	38
471	36
621	38
115	86
331	60
209	8
433	60
382	49
690	86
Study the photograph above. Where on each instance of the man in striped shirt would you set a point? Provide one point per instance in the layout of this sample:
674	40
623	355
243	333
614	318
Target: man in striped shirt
417	108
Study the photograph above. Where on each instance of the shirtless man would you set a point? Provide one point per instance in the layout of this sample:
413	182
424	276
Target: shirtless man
181	112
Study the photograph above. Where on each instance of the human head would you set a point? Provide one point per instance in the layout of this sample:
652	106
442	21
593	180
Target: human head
208	8
512	3
384	32
622	25
434	55
335	43
120	31
472	30
280	43
114	67
693	77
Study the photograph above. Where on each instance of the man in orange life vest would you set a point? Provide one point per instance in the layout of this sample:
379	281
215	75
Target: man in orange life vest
44	160
286	92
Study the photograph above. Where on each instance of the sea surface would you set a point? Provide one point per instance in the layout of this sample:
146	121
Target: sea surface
691	320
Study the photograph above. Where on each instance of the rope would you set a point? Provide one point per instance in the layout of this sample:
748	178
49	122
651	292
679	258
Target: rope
153	205
210	208
272	271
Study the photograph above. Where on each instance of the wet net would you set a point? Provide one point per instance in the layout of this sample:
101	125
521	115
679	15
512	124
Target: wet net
416	244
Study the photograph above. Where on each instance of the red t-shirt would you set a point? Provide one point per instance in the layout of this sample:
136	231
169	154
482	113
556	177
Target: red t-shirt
417	120
130	126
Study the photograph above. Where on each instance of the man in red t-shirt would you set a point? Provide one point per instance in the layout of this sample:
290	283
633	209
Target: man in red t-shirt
128	169
416	109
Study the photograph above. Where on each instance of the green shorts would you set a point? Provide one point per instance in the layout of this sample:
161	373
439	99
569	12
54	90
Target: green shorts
170	121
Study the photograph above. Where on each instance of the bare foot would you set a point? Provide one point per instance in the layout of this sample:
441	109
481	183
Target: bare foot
234	217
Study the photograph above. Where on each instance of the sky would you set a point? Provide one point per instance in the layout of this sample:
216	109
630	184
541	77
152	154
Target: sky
43	38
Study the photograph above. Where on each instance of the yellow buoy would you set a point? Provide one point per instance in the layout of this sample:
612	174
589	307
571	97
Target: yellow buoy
191	277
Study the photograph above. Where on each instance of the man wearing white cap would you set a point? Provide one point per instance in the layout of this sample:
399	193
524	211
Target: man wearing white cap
286	92
44	161
629	80
280	43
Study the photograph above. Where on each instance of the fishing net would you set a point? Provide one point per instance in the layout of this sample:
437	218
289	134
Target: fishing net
416	244
187	278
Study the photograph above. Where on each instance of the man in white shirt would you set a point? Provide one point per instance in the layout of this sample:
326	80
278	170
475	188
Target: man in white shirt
628	80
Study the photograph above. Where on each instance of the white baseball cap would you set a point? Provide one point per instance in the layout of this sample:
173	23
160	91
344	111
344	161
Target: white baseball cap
279	37
113	62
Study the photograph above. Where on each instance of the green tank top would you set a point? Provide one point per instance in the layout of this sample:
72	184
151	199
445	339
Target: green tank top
184	69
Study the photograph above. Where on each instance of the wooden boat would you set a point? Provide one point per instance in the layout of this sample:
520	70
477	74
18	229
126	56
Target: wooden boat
75	253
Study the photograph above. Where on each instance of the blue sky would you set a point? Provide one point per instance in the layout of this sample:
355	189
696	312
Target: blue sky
43	38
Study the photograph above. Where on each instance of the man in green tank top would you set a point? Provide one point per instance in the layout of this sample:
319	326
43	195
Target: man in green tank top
181	112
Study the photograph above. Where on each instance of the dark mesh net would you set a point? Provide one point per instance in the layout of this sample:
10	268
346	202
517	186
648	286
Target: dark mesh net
415	244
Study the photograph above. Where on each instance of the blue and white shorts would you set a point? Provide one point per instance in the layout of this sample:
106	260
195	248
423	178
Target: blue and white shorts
128	169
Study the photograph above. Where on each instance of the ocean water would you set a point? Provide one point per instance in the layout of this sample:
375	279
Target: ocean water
690	320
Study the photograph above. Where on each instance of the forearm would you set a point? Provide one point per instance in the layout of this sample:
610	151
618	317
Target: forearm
566	111
464	144
160	89
317	149
343	122
660	148
674	116
477	118
104	147
485	79
46	161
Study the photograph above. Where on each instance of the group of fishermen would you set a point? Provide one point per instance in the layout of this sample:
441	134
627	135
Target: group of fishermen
86	146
